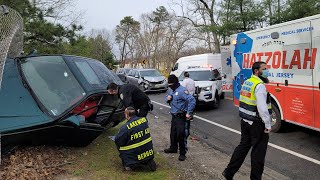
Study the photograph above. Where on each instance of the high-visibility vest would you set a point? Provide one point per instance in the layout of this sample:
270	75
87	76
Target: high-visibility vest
248	102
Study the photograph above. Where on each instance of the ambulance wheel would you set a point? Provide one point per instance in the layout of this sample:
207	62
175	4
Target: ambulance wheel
276	121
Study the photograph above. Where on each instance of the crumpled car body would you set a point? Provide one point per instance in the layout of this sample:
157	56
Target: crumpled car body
56	99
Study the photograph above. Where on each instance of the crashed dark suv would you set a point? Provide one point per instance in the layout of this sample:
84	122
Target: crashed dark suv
57	99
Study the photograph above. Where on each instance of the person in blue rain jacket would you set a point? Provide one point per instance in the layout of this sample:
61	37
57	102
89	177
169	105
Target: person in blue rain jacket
182	104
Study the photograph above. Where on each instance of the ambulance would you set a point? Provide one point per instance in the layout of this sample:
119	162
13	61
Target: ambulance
291	51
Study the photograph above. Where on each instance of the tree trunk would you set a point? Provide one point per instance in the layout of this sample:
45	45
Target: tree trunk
242	16
270	12
279	16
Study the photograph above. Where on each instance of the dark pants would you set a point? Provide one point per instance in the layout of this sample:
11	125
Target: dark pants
143	111
139	166
251	136
180	130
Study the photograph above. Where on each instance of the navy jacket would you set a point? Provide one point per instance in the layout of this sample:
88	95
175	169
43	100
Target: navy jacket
134	142
181	101
132	96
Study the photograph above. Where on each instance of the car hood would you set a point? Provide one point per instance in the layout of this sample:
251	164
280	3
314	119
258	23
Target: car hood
204	83
154	78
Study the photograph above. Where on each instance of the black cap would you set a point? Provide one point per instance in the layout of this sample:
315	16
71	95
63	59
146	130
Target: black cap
172	79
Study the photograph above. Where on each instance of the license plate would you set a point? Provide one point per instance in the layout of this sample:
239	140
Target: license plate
157	85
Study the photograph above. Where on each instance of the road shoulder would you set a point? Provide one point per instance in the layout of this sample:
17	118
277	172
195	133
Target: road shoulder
203	162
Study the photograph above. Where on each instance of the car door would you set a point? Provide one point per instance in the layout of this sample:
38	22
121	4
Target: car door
129	76
108	110
136	78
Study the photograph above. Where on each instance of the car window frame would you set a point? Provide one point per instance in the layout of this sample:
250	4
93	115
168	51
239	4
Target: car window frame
136	74
129	73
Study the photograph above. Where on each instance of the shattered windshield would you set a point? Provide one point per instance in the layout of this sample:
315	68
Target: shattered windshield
52	82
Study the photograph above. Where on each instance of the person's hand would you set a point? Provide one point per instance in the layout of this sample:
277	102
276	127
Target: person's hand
188	116
169	98
267	131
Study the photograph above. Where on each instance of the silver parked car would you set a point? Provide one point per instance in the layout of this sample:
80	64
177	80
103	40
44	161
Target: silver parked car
148	80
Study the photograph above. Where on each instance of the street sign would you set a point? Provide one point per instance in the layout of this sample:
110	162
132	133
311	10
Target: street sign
144	61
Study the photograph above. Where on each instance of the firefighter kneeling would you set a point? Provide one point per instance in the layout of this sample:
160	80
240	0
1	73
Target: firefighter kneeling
134	142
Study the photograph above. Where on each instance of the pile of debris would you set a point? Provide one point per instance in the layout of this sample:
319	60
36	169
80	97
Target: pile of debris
39	162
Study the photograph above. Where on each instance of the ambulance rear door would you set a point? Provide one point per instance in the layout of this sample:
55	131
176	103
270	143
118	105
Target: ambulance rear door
297	74
315	24
226	70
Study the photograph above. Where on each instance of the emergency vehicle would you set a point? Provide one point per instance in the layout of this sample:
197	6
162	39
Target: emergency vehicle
208	84
291	51
196	61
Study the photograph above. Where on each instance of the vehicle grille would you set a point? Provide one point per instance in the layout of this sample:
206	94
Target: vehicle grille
160	82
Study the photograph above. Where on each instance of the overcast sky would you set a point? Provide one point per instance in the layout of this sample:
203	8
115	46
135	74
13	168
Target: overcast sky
107	14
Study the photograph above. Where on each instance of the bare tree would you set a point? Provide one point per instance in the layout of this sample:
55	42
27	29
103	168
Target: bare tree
201	13
101	43
63	11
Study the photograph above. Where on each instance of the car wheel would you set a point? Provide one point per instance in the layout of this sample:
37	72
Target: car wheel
222	95
216	101
276	122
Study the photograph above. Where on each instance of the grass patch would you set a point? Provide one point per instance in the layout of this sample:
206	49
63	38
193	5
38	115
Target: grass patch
100	160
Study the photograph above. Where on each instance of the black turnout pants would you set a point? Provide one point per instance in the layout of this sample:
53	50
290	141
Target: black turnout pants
180	130
251	136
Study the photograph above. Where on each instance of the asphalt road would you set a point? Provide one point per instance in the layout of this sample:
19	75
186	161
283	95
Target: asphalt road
294	153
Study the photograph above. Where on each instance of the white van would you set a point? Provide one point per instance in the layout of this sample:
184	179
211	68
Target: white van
197	61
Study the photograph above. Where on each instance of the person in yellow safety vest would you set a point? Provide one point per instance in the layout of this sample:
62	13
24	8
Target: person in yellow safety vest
134	143
254	111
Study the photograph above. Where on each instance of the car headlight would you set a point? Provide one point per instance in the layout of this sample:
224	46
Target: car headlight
208	88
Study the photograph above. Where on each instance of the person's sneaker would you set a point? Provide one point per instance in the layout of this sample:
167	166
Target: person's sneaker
152	165
182	157
170	150
225	175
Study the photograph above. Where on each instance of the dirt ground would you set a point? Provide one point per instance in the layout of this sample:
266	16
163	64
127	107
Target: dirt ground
202	161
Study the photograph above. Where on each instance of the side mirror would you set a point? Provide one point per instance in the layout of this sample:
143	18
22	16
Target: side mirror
172	69
225	76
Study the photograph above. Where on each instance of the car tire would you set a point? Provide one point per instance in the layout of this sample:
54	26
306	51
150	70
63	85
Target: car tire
222	95
216	101
276	121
